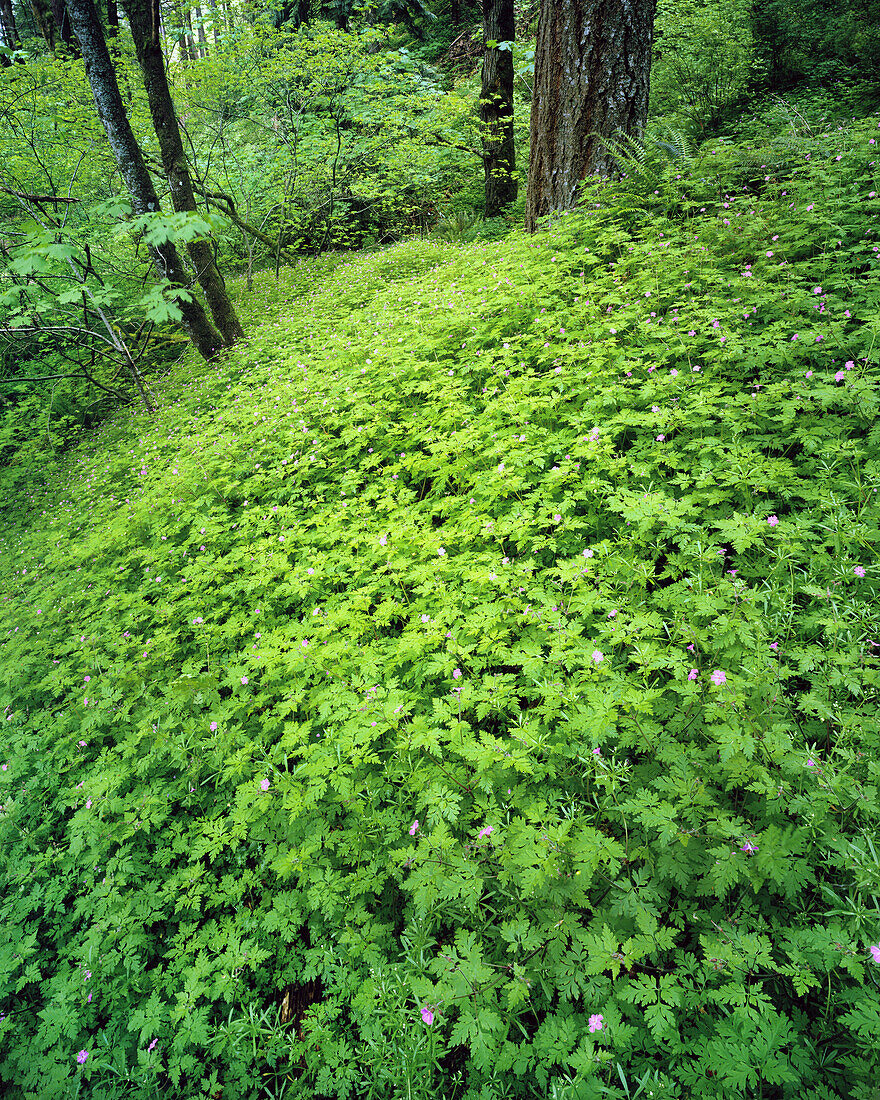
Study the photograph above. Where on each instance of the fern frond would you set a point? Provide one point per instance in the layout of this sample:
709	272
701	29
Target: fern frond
631	157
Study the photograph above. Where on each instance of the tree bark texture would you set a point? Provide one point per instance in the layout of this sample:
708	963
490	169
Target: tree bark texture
496	107
111	110
592	67
143	19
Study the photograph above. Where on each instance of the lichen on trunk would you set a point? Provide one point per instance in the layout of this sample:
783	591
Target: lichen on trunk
496	106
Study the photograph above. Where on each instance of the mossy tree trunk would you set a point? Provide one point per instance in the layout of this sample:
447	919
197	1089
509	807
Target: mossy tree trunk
496	106
592	67
42	11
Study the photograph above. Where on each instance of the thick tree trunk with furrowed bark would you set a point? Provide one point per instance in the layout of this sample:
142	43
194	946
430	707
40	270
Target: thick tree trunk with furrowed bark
592	67
130	159
143	19
496	106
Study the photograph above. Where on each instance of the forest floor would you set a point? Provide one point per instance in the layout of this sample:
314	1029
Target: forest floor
473	677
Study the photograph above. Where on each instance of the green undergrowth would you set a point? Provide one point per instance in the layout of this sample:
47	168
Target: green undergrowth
468	688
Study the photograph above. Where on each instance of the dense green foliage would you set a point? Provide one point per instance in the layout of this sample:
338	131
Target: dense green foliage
705	58
469	688
818	40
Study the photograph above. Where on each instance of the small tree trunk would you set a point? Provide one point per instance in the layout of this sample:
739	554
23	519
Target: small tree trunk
215	21
190	37
200	32
63	28
592	65
181	44
112	20
143	18
43	15
182	41
130	159
8	29
496	106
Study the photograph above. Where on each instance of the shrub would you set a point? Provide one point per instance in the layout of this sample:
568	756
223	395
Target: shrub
705	57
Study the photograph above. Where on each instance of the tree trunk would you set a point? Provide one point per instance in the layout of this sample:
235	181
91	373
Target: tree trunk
42	10
592	65
182	43
215	21
130	159
8	30
190	37
496	106
112	19
64	29
200	32
143	19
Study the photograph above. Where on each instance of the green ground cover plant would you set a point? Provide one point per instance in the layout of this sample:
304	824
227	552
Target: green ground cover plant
469	687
